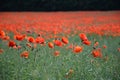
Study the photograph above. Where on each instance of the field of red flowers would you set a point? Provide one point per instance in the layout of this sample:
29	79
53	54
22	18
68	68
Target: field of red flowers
60	45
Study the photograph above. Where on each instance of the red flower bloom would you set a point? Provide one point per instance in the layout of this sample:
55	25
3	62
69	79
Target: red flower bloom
19	37
11	44
78	49
104	46
58	43
96	44
24	54
65	40
83	37
2	34
97	53
86	42
31	39
56	53
51	45
40	40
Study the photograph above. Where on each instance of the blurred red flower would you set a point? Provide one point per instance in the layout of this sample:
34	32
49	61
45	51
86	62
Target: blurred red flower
11	44
51	45
87	42
83	37
78	49
40	40
31	39
2	34
19	37
104	46
65	40
24	54
97	53
56	53
58	43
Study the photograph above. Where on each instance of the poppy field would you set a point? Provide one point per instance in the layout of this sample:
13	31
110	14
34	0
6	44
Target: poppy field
60	45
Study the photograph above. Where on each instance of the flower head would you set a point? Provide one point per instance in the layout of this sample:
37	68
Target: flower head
24	54
78	49
65	40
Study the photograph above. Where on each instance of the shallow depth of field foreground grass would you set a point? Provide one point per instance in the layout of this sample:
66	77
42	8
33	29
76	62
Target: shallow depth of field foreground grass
43	65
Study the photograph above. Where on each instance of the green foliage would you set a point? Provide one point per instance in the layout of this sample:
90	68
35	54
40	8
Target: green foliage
42	65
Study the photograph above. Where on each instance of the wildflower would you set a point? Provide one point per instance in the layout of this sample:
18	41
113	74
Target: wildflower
97	53
78	49
24	54
40	40
51	45
58	43
31	39
96	44
2	34
104	46
86	42
65	40
56	53
19	37
11	44
83	37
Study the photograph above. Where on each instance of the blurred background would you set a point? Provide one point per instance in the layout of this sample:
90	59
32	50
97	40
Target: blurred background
58	5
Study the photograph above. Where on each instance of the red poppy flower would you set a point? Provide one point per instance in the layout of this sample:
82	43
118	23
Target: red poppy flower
83	37
56	53
24	54
65	40
78	49
97	53
86	42
40	40
2	34
96	44
58	43
104	46
11	44
19	37
31	39
51	45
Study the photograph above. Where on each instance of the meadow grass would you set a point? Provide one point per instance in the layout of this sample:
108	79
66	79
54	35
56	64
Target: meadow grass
43	65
